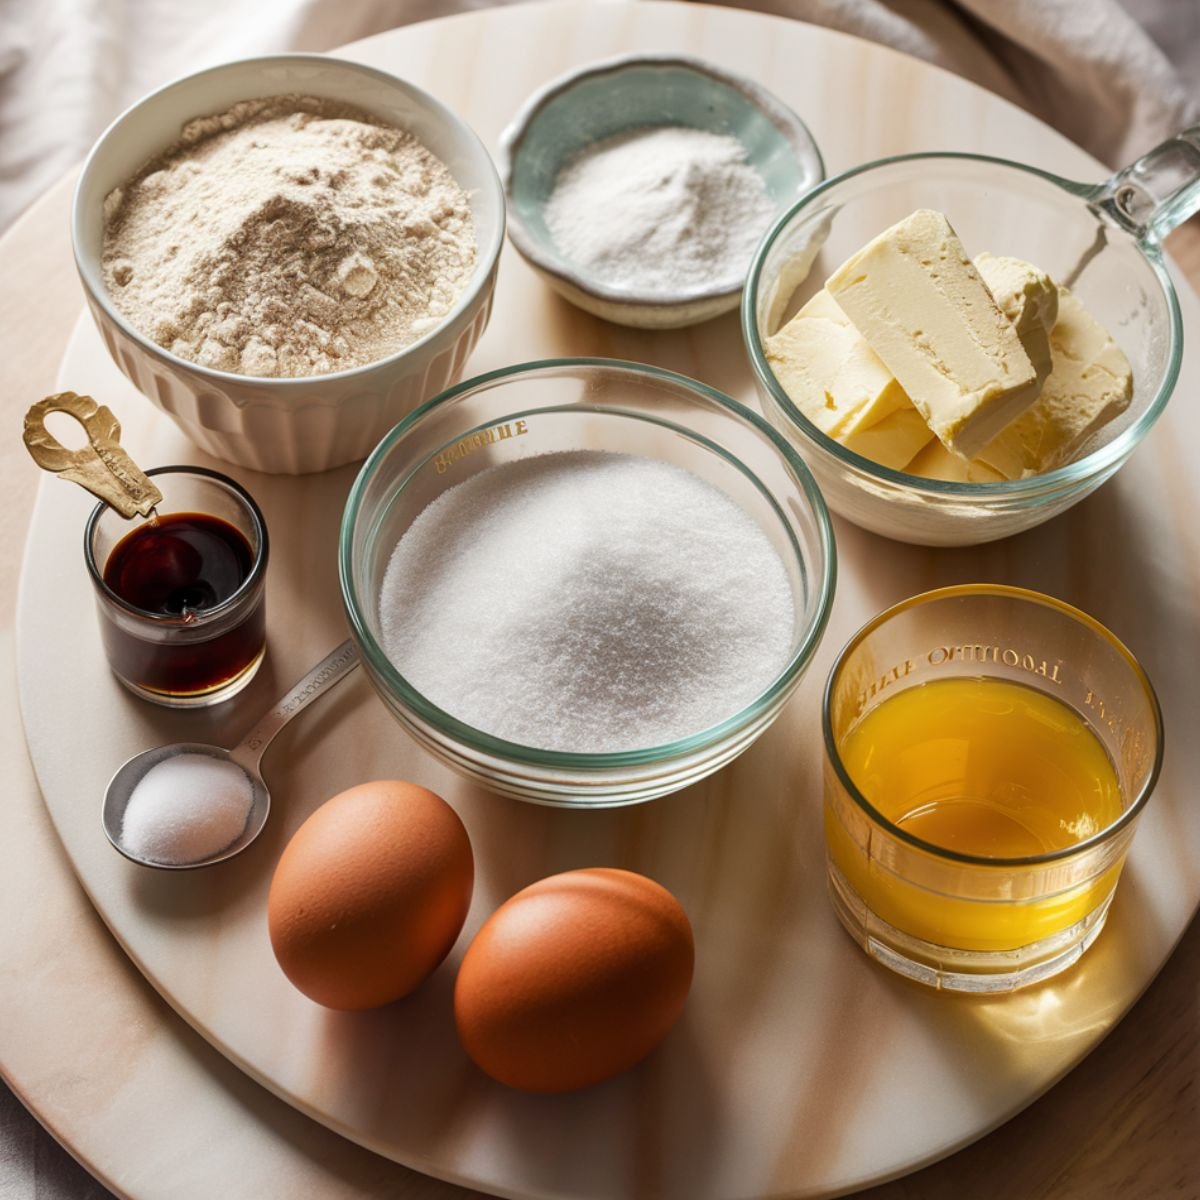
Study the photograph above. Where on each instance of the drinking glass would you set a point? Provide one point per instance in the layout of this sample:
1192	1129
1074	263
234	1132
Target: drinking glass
967	922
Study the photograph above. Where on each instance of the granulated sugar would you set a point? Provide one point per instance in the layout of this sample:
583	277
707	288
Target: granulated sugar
662	209
587	601
288	236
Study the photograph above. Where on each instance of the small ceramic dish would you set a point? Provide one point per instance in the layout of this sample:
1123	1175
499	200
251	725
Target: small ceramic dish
638	91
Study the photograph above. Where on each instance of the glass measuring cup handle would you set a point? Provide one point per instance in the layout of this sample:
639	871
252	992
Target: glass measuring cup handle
1159	191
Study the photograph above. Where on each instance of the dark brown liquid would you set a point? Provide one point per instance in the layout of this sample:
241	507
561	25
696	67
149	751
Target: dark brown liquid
173	565
182	565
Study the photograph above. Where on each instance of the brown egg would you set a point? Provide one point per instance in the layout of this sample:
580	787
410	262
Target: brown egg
574	979
370	894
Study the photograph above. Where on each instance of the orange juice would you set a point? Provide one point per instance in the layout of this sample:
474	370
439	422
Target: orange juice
981	767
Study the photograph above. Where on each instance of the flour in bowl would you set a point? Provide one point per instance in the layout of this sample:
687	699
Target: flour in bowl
288	236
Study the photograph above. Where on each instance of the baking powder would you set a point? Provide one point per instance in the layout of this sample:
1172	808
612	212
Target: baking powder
664	209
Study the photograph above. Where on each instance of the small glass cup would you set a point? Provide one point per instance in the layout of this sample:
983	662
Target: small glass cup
960	921
209	651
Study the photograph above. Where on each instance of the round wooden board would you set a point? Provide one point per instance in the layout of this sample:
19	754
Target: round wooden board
800	1068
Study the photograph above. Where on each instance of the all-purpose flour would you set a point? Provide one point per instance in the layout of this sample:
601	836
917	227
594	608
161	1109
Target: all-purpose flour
587	601
288	236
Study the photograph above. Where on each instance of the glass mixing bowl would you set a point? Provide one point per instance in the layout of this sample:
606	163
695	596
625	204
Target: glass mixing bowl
1103	241
577	404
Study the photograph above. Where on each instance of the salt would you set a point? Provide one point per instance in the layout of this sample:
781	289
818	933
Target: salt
663	209
587	601
186	808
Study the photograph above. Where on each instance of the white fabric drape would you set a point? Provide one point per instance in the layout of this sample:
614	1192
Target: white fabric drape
67	67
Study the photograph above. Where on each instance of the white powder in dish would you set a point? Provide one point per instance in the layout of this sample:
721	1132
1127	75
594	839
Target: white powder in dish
588	602
661	209
186	808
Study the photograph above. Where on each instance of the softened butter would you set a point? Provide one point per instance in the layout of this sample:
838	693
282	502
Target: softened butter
839	383
1028	297
921	305
1090	383
936	462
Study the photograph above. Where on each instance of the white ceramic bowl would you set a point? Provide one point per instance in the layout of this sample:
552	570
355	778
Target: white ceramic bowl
290	426
619	94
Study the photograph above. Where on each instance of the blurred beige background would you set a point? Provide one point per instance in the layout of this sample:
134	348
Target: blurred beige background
1093	68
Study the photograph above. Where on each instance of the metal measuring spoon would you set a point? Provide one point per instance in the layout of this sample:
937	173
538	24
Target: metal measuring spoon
247	754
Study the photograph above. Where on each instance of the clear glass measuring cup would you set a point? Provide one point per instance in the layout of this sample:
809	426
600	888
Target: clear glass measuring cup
1102	240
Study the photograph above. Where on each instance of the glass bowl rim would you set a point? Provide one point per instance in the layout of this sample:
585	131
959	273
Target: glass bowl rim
1048	483
1027	595
480	742
255	576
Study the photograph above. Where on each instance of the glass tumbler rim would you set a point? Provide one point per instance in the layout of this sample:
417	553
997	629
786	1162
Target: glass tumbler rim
253	578
481	742
1047	485
1028	595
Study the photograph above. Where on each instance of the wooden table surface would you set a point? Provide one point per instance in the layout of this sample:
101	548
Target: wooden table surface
1123	1123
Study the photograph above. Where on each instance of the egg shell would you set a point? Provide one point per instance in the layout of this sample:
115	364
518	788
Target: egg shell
574	979
370	894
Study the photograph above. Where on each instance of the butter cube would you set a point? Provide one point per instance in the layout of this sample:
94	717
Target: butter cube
936	462
923	308
894	440
831	374
1028	297
1090	383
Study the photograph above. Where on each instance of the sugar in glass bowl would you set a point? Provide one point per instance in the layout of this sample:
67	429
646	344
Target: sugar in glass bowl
584	404
627	93
1103	241
289	425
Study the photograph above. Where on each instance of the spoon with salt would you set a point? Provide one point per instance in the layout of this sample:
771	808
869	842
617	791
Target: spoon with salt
200	836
